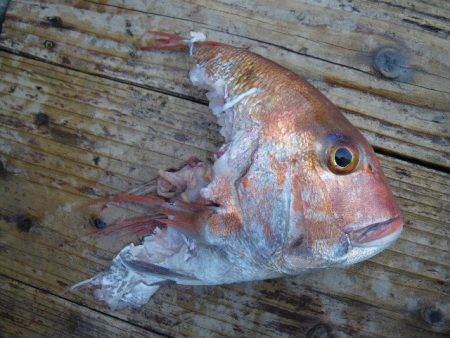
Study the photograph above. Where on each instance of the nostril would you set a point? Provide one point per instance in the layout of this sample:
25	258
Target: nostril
298	242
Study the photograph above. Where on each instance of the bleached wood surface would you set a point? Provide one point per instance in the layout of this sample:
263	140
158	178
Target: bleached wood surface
84	113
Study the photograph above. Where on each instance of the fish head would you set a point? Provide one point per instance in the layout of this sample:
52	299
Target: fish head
342	208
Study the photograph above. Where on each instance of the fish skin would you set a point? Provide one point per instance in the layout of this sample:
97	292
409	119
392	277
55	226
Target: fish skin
276	188
271	204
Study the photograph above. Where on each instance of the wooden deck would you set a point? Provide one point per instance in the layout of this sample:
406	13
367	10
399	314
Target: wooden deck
83	113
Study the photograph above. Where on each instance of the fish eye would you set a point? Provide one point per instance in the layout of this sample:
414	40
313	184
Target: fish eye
342	159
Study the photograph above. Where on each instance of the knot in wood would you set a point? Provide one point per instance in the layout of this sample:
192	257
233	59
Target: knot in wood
390	62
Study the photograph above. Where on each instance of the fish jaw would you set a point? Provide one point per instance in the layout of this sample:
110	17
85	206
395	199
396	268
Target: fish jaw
368	241
376	234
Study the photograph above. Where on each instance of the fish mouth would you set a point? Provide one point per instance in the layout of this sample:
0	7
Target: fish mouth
376	234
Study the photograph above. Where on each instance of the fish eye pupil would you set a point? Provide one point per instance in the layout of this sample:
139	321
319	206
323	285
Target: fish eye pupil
343	157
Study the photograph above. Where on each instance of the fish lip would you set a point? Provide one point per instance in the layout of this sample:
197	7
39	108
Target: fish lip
376	234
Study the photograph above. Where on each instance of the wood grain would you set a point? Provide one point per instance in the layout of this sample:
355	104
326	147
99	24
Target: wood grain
29	312
83	113
103	46
41	162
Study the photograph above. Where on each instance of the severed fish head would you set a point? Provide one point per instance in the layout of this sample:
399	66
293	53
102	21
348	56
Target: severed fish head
332	203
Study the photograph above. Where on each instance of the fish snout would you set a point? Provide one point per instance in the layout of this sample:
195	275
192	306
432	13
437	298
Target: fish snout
377	234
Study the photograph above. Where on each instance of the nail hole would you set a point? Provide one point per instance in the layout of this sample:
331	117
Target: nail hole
96	160
98	222
49	44
41	120
24	223
432	315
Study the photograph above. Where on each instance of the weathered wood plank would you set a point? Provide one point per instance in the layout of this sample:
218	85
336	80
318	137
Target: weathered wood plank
88	119
395	290
52	260
314	25
28	312
67	135
389	111
430	18
399	128
299	25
